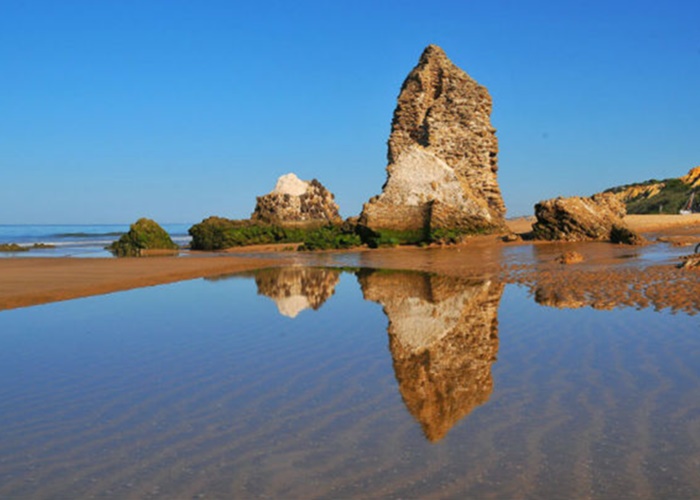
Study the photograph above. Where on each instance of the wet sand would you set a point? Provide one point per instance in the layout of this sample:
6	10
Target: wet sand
31	281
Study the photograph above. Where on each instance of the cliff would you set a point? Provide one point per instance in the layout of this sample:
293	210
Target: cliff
668	196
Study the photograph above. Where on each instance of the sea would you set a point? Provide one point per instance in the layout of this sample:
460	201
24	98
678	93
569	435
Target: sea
75	240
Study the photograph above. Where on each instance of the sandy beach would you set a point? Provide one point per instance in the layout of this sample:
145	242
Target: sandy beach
32	281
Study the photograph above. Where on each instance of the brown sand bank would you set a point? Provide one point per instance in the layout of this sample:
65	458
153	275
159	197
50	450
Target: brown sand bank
32	281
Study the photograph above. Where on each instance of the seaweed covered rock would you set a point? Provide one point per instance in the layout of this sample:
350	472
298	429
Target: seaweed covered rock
297	203
218	233
442	157
144	237
12	247
581	219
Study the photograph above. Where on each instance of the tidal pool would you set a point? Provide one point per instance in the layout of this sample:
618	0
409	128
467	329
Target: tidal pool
321	383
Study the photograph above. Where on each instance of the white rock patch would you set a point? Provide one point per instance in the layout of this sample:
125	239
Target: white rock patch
290	184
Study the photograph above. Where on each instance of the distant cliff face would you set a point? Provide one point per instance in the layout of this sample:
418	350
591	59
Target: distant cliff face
442	154
667	196
294	202
443	337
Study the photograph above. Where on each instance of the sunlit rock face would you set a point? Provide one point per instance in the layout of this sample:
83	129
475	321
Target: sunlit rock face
443	337
297	203
598	217
442	154
295	289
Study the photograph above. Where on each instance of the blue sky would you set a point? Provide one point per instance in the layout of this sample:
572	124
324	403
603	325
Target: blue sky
177	110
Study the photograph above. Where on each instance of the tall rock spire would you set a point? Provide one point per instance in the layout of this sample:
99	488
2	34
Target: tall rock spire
442	154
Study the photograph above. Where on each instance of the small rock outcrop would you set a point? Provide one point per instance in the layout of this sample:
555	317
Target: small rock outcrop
443	337
295	289
570	257
442	158
13	247
581	219
297	203
145	237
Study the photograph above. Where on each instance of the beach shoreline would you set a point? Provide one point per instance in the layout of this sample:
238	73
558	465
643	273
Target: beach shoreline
28	281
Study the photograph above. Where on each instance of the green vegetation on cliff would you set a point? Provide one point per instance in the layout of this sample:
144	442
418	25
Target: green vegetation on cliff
667	196
144	234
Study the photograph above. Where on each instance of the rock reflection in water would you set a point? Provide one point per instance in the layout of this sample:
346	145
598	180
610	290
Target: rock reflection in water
443	337
295	289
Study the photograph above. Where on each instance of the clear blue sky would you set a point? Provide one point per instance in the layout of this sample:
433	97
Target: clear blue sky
177	110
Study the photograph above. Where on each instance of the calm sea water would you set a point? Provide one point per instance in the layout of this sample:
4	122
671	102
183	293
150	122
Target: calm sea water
74	240
317	383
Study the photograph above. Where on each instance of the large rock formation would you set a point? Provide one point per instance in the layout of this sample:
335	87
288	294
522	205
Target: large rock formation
295	289
297	203
442	155
443	337
580	219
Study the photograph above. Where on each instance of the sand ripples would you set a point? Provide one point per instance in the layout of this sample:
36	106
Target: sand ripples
243	403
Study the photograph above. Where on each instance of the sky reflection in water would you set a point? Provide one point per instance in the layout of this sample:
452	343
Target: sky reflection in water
300	383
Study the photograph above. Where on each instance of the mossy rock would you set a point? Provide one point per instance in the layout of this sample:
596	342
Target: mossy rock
143	235
217	233
377	238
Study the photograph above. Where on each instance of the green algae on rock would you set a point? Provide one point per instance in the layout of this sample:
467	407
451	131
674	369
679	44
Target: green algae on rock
144	235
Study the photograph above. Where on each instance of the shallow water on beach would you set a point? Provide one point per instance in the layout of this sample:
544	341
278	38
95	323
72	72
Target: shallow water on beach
322	383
